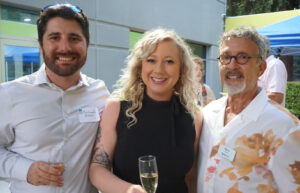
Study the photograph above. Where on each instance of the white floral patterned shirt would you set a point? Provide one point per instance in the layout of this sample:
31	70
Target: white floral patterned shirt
257	151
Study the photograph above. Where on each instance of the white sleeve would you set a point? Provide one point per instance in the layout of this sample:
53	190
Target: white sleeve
277	77
285	163
210	93
12	165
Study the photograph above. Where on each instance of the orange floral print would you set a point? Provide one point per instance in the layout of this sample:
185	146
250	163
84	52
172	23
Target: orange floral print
234	189
252	154
295	171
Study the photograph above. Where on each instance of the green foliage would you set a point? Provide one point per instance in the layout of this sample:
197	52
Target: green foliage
246	7
292	101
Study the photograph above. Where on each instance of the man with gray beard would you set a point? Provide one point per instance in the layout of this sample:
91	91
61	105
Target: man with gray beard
248	142
49	119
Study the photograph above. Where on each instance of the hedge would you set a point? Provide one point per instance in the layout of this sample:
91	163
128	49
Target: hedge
292	101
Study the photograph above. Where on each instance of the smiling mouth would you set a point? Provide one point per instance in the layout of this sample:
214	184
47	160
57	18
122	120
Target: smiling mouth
158	80
65	59
233	75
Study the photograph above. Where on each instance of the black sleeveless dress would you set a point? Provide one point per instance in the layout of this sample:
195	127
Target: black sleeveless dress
165	130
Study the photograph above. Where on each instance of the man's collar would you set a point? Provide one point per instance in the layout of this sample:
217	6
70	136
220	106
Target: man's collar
41	78
255	107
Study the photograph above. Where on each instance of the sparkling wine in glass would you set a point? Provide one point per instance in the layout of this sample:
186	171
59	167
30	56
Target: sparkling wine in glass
148	173
56	159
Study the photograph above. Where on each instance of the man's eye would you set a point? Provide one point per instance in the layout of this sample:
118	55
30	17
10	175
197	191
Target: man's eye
243	56
225	57
75	39
54	37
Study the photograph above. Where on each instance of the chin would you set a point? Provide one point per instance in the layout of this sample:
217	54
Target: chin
233	90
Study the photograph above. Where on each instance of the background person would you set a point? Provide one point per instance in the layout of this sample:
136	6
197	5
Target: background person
248	143
52	114
274	79
153	111
205	94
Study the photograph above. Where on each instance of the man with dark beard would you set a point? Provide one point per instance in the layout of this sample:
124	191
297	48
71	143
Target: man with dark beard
248	142
49	119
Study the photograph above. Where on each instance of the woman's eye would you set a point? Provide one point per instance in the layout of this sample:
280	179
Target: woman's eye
170	61
150	60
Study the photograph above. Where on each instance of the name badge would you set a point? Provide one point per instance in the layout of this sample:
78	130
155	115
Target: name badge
88	114
226	152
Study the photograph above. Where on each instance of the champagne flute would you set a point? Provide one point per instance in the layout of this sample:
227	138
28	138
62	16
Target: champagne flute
56	159
148	173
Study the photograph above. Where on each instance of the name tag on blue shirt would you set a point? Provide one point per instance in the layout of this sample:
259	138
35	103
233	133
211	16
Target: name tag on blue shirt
88	114
226	152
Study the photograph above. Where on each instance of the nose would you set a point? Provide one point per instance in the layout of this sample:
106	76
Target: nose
64	45
159	67
232	63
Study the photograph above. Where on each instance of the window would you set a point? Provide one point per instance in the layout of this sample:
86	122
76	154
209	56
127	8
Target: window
18	15
134	37
19	52
20	61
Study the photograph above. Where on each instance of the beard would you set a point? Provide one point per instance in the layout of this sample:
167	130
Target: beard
237	87
70	70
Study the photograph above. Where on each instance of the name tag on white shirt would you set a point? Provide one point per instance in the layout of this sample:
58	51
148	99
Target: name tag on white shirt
226	152
88	114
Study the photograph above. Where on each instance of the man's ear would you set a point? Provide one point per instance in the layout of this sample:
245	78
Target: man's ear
41	47
262	67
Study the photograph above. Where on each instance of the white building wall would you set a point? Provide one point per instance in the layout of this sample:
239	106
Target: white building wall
199	21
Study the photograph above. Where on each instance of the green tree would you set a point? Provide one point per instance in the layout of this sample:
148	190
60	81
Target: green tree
246	7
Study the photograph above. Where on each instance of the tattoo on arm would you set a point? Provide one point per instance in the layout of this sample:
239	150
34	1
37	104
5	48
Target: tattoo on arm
98	134
100	156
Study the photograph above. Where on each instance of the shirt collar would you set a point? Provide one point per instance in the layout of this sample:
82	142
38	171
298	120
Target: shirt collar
41	78
252	110
255	107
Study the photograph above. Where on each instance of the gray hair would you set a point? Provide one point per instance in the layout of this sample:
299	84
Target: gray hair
248	33
267	44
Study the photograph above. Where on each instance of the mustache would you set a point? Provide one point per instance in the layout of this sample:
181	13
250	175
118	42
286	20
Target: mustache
234	72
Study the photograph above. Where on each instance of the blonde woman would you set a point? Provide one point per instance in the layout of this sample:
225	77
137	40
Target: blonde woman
153	111
205	94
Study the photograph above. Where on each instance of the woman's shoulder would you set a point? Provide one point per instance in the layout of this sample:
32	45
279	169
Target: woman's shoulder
112	109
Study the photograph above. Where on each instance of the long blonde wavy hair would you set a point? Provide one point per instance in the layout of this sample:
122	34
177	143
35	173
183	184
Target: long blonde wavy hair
130	86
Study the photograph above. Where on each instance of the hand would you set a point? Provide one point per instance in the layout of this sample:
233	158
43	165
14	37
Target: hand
136	189
41	173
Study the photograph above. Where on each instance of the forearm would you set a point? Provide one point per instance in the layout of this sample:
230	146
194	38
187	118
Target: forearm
13	165
276	96
191	179
105	181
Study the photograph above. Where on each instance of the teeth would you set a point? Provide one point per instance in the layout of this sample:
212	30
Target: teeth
65	58
158	79
233	77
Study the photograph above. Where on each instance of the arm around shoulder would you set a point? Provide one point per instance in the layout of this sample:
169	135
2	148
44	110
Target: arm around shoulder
191	177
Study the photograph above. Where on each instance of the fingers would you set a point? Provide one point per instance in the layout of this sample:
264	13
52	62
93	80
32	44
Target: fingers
136	189
41	173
